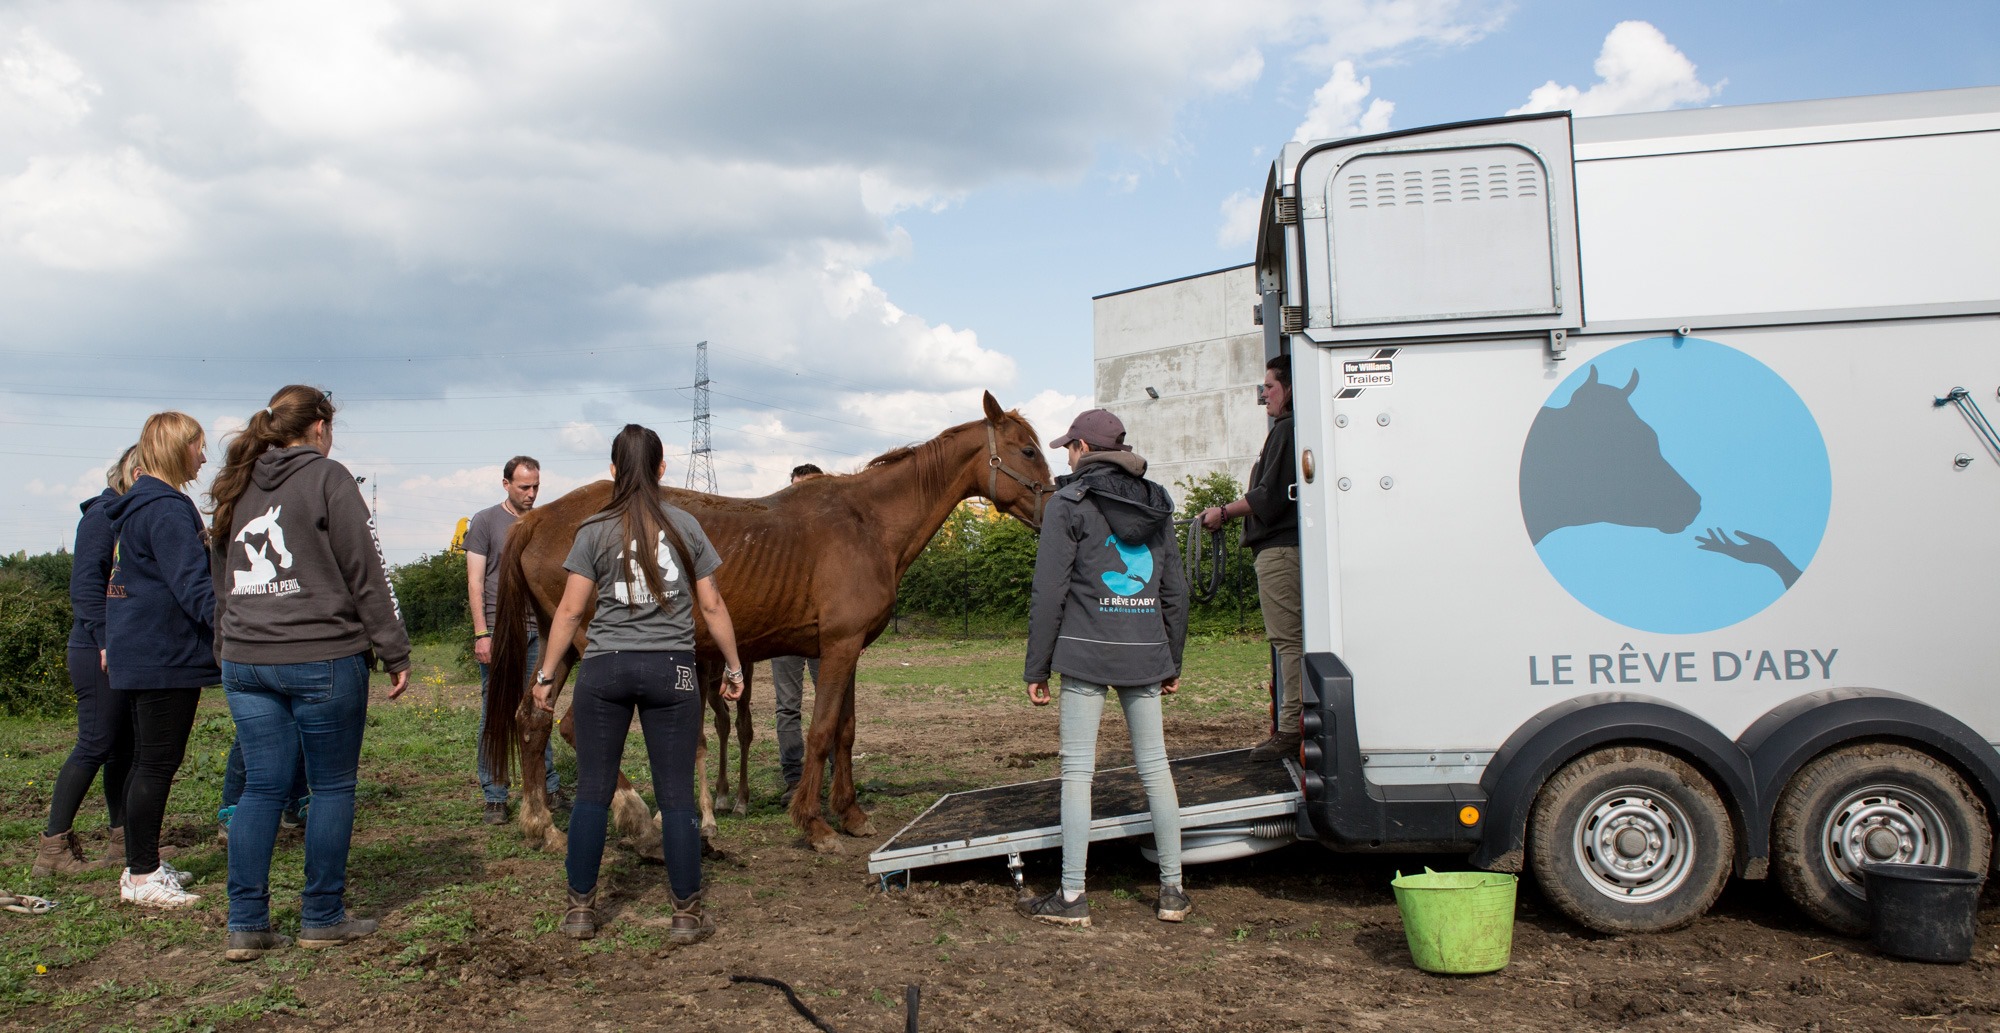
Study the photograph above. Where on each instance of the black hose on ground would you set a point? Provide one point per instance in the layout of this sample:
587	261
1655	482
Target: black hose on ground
910	997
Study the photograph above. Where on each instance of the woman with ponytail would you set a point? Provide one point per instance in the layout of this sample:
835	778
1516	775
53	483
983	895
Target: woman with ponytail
636	559
159	636
303	600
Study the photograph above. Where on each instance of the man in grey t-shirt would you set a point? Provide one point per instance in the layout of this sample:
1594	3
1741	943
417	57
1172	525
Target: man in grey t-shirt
485	540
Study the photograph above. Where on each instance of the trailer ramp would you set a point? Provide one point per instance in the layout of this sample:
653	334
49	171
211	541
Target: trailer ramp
1231	806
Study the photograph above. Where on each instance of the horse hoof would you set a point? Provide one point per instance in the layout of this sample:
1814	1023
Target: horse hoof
554	841
864	827
725	802
828	845
741	808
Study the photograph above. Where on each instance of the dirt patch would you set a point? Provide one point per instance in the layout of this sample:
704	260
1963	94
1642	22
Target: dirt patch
1297	939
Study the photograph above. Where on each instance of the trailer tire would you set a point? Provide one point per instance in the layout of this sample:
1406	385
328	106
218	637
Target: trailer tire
1630	839
1865	803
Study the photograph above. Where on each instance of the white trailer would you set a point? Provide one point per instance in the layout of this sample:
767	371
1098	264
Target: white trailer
1645	542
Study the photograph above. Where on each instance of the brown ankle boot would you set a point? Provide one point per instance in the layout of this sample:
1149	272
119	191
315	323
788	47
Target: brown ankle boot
581	921
114	851
59	854
689	924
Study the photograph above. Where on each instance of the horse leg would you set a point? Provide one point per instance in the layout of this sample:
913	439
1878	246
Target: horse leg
537	825
745	732
704	798
635	823
830	693
720	708
841	799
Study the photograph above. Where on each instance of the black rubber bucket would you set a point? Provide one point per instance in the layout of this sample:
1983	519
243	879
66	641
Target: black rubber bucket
1923	912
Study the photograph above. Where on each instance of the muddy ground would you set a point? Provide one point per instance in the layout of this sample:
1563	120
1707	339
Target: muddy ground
1297	939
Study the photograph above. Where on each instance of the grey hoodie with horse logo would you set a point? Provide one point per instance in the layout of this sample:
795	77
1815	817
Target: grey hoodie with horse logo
1110	599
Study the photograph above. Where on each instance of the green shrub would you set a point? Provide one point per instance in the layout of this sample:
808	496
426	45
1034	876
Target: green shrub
34	636
49	569
431	590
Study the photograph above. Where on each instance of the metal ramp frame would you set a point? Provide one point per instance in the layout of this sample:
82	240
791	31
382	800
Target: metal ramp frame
1220	793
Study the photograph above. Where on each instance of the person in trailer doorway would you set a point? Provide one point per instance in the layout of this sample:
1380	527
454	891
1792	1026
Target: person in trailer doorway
485	540
645	565
1270	513
304	608
159	641
788	689
1109	612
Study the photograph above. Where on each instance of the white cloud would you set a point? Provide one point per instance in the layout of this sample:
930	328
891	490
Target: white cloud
585	438
1638	70
1240	212
48	84
90	212
1338	108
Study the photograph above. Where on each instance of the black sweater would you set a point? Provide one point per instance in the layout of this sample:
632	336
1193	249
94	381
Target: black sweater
1273	520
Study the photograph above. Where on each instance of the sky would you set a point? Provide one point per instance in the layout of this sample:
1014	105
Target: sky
500	227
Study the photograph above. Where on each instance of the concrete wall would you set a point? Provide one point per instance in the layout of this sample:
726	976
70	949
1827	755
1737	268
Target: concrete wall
1194	342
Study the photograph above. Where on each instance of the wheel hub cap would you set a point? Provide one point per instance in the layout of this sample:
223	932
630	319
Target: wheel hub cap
1634	844
1882	823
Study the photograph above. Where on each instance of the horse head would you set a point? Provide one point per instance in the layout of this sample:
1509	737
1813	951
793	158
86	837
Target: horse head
1018	479
1596	461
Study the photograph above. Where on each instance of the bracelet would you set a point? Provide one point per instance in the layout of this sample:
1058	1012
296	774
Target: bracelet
732	674
482	634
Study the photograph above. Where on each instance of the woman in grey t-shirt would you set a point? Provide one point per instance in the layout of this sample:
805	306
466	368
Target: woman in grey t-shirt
637	560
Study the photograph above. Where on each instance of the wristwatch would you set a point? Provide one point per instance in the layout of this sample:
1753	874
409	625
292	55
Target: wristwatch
542	678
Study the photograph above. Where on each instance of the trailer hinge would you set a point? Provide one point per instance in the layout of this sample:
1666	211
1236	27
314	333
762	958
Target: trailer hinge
1558	345
1980	425
1292	319
1287	210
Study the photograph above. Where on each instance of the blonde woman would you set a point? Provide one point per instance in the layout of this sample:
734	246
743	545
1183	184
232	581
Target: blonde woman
159	618
103	728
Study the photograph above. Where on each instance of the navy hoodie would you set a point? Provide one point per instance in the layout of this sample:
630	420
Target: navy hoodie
89	572
159	612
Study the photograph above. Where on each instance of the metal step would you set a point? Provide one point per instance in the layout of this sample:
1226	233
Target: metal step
1215	789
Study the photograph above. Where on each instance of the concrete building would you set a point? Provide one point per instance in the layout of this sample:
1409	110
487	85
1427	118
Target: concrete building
1180	362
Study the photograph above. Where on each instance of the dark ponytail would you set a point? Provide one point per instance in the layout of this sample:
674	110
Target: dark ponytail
636	455
291	414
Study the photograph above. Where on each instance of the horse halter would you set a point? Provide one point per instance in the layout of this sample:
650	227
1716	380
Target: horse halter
997	466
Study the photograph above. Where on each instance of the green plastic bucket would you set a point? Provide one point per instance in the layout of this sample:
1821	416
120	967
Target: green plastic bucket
1457	922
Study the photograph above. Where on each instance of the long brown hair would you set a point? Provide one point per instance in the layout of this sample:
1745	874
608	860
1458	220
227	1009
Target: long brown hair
292	412
636	455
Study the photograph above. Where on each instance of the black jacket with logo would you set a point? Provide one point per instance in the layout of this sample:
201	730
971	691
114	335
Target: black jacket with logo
300	577
1110	599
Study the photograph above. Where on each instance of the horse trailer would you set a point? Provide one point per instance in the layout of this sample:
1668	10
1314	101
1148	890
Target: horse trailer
1646	494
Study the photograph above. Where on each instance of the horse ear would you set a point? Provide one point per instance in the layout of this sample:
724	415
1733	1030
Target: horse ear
1631	385
994	414
1592	379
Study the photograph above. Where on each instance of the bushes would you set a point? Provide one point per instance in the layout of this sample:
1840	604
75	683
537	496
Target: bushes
34	633
432	593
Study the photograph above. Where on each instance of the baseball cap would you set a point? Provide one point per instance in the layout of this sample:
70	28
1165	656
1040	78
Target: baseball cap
1097	428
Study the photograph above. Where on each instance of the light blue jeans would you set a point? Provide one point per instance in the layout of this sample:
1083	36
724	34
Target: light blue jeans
1082	712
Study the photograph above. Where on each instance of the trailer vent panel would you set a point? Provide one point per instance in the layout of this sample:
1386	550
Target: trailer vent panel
1456	233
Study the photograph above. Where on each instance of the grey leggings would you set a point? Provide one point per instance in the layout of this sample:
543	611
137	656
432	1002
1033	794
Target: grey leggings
1082	712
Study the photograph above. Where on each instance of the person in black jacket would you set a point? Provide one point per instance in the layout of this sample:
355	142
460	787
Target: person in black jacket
103	728
1109	610
1270	513
159	640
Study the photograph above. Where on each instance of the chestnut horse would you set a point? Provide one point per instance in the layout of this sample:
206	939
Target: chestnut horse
811	570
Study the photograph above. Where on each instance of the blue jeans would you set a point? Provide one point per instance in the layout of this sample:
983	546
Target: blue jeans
1082	711
496	792
233	778
282	710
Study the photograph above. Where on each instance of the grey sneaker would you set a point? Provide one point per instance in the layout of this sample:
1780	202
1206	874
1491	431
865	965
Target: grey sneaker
1051	907
1174	903
249	945
335	935
496	813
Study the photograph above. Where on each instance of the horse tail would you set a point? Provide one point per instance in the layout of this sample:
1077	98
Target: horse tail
507	675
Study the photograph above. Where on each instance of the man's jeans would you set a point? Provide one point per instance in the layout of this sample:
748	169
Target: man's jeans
788	687
281	710
496	792
1082	712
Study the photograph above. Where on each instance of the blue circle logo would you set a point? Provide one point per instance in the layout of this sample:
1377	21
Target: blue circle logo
1675	485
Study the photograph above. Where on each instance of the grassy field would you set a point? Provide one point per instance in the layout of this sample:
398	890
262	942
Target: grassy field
417	775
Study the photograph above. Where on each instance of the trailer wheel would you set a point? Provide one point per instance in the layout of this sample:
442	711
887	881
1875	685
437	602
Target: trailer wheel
1865	804
1629	839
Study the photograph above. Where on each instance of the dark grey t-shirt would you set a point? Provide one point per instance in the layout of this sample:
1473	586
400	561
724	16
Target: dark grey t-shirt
634	620
487	536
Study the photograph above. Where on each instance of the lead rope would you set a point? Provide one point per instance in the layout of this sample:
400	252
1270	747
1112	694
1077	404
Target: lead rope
1191	560
911	994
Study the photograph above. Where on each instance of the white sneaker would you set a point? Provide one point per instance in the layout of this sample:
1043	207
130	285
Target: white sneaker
160	889
181	876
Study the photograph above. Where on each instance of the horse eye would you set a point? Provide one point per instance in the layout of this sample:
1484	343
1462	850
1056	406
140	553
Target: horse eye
1028	452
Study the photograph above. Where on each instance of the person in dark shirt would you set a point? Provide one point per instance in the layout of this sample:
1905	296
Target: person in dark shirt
1270	513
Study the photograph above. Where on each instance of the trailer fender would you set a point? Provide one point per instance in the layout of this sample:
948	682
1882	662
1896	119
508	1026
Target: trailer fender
1794	732
1561	733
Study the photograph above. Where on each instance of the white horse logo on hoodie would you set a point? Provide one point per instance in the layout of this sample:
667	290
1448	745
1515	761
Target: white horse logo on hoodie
257	580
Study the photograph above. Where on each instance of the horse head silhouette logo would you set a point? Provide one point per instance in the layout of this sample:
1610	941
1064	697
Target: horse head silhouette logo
1138	567
261	571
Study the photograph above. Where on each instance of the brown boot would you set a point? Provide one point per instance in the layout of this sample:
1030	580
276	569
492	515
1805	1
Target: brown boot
59	854
1277	747
581	921
114	851
689	925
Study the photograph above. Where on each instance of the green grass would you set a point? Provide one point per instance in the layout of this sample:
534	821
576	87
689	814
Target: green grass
416	778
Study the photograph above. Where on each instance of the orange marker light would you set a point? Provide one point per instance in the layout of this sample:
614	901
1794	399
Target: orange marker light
1468	816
